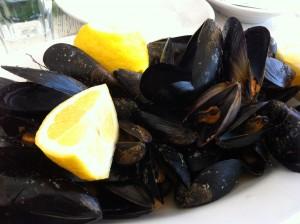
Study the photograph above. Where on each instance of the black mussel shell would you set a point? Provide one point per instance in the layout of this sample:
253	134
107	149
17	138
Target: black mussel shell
270	92
129	153
134	193
210	184
203	55
176	162
215	110
156	48
278	73
258	40
29	98
114	206
167	55
236	65
18	131
130	81
208	56
5	82
151	174
23	160
247	129
53	80
125	108
156	84
166	131
140	133
70	60
200	158
190	51
46	199
120	173
255	158
283	141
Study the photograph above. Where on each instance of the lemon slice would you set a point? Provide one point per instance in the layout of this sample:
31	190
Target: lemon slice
114	50
80	133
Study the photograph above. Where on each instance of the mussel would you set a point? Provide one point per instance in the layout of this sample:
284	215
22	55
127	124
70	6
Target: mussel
50	79
70	60
215	110
284	140
210	184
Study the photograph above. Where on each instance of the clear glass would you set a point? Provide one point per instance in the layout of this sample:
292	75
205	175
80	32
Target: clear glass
23	22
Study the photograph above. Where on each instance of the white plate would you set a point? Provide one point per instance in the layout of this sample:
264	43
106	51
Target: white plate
271	199
153	18
245	14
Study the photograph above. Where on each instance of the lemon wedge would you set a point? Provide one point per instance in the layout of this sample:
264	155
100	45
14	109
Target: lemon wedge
114	50
80	133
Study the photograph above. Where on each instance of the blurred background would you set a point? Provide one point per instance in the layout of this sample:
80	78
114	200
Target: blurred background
27	22
24	23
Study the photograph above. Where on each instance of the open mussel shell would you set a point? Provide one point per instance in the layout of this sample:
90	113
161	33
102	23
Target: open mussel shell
167	131
211	184
156	85
18	131
258	41
215	110
278	73
29	98
235	58
247	129
284	140
53	80
70	60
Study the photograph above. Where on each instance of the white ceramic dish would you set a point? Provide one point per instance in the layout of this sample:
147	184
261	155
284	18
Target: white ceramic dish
244	14
271	199
154	19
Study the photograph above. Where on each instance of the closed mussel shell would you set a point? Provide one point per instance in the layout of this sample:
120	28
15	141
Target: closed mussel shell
72	61
284	140
210	184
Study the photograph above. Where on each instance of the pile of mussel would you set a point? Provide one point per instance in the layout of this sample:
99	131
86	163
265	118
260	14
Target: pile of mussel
209	108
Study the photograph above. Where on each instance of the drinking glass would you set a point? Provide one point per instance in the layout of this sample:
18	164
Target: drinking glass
24	22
